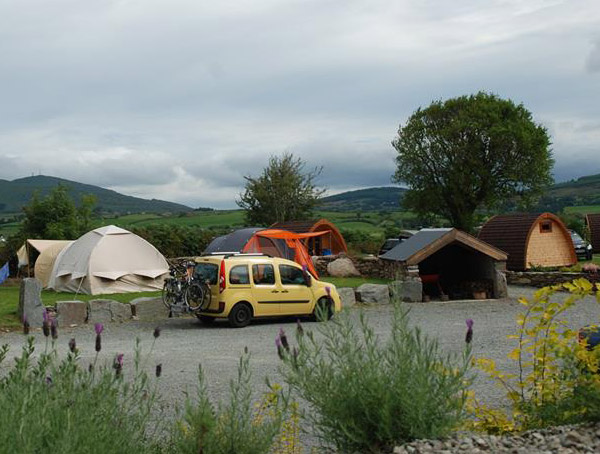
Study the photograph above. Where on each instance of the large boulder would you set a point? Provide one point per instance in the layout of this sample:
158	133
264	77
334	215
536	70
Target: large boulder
342	267
410	290
104	311
347	296
30	302
149	308
70	313
501	287
373	293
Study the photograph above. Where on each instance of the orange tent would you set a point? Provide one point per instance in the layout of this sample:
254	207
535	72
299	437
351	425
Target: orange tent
292	240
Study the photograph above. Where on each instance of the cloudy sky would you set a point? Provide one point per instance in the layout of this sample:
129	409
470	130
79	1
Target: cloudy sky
180	99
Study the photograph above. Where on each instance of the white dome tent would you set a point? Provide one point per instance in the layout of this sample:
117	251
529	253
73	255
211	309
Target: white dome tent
108	260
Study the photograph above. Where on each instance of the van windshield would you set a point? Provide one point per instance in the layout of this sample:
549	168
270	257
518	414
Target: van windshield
207	272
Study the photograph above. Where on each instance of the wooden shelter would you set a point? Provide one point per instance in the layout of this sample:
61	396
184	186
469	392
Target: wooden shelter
530	240
592	223
451	262
332	243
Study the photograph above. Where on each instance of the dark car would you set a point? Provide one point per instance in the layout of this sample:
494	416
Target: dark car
389	244
583	249
590	335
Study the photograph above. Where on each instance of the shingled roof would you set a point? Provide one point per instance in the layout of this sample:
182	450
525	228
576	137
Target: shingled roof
426	242
593	223
510	233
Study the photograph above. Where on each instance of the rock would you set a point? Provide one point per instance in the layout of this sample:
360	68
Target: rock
71	313
373	293
410	290
347	296
501	289
342	267
149	308
30	302
104	311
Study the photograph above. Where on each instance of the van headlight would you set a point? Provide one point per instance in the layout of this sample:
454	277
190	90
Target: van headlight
589	247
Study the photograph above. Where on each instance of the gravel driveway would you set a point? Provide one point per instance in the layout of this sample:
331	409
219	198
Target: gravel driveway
185	342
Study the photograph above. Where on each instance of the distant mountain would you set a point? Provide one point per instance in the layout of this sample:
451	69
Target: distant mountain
14	194
371	199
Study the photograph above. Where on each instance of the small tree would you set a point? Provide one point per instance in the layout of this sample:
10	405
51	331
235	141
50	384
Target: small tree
470	152
284	192
56	217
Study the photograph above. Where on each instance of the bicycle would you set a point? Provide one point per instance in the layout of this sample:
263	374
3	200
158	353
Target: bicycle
183	290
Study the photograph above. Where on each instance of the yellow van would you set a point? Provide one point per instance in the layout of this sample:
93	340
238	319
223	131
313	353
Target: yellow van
247	286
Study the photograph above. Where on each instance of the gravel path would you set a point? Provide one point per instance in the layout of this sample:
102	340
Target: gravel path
185	342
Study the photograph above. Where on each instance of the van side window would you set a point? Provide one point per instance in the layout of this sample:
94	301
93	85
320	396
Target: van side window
239	275
291	275
263	274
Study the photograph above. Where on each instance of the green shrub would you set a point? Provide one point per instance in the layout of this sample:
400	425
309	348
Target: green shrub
53	406
557	380
368	395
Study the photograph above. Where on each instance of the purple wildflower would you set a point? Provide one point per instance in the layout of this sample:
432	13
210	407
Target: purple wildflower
299	329
279	347
283	339
118	364
469	336
328	290
54	329
46	327
158	370
48	380
98	327
156	332
72	345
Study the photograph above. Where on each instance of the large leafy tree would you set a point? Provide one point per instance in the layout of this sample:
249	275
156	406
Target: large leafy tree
284	192
56	216
468	153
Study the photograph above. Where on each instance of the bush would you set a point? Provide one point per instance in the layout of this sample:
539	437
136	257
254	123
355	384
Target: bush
367	395
557	380
48	405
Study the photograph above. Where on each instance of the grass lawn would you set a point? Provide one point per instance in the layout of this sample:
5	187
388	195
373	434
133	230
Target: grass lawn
9	300
353	281
584	209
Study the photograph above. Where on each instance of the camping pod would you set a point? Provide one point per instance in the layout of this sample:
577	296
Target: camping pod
530	240
592	222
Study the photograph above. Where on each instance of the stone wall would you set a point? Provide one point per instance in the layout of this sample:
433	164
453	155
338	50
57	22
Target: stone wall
366	266
543	279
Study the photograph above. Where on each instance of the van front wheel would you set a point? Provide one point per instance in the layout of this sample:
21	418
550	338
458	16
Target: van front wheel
240	315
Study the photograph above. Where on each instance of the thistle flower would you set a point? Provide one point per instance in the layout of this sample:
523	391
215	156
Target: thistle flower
158	370
25	325
156	333
118	364
469	336
72	345
299	329
283	339
54	329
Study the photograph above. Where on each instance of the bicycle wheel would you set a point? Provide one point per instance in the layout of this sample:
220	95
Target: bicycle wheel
168	294
195	294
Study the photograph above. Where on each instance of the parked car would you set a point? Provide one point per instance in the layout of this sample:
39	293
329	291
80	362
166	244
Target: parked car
583	249
248	286
590	335
391	243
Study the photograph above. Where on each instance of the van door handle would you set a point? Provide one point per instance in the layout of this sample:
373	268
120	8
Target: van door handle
274	291
285	291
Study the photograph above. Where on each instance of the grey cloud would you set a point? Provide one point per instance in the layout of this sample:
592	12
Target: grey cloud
592	63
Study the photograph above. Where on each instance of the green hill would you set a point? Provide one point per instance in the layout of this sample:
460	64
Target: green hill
371	199
584	191
14	194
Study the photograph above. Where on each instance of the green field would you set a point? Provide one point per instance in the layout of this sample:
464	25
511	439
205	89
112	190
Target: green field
9	300
584	209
